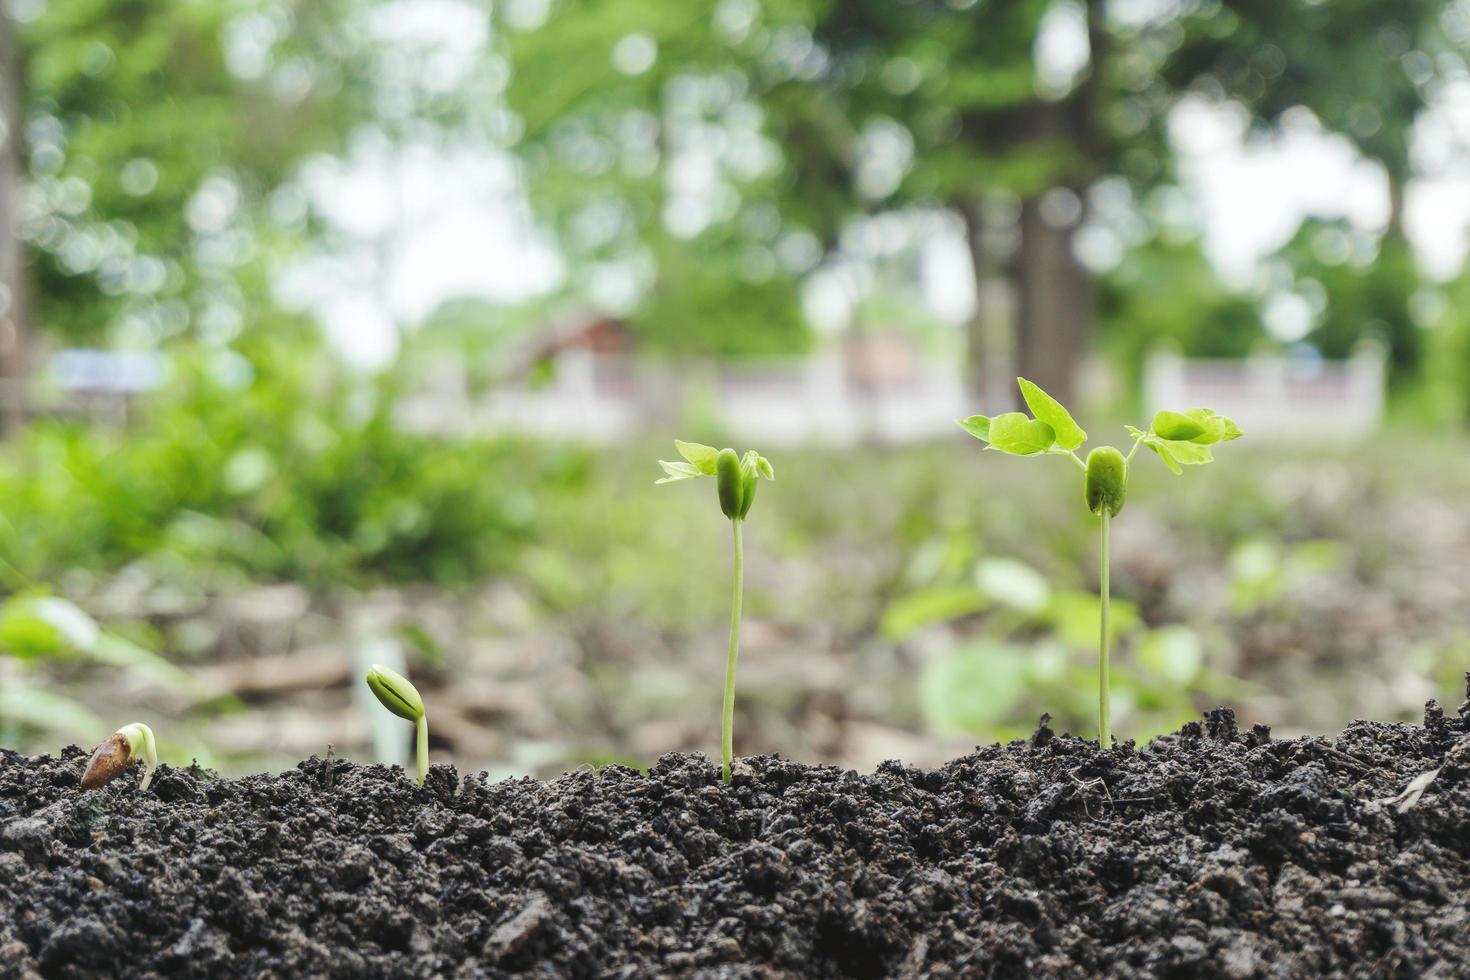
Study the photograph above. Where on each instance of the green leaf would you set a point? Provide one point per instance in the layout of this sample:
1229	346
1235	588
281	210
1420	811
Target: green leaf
49	712
763	467
1173	425
678	471
1076	615
1018	435
1069	434
1013	583
1174	653
972	688
1187	453
1162	448
1217	428
977	426
940	604
702	457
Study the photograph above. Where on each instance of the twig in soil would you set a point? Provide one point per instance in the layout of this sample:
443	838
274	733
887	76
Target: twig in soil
329	777
1409	798
1136	800
1084	786
513	933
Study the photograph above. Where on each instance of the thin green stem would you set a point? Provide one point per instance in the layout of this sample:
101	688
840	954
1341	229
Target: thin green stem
423	748
727	716
1136	444
1104	710
1077	459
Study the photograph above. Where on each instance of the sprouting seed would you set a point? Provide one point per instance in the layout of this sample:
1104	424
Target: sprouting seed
402	698
1179	438
736	478
118	751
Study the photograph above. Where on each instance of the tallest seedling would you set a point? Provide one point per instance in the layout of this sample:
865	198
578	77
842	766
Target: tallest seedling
1178	438
736	479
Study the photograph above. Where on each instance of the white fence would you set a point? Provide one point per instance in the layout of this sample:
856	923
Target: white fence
1276	398
605	398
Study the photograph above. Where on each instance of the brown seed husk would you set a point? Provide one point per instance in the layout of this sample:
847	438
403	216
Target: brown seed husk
108	761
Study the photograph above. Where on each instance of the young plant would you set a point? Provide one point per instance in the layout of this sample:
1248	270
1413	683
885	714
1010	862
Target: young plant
402	698
736	478
1178	438
118	751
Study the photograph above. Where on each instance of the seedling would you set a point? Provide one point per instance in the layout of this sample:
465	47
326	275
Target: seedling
1178	438
736	478
118	751
402	698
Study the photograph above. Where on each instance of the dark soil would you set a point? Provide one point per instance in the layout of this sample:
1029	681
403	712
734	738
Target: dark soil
1207	853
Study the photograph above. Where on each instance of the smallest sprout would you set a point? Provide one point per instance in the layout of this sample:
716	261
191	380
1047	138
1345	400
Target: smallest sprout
402	698
118	751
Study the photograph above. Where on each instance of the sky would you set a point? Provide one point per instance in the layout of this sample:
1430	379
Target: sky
415	227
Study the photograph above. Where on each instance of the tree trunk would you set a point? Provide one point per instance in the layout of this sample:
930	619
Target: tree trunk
14	294
1054	303
979	330
1055	296
1396	182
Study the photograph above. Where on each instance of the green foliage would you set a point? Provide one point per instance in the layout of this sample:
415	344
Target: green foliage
154	159
275	465
1163	292
1360	300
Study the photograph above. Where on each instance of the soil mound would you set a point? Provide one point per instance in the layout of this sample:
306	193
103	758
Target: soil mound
1206	853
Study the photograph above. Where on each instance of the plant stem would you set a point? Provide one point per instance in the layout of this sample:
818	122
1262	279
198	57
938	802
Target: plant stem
1104	711
727	716
423	748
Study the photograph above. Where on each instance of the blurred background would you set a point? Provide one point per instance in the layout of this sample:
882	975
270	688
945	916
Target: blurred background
346	331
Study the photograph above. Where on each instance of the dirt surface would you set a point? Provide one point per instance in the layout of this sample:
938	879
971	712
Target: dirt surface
1209	852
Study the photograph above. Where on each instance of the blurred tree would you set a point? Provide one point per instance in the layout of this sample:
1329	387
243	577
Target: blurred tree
14	292
1364	69
1167	291
1358	294
157	132
707	132
646	151
936	104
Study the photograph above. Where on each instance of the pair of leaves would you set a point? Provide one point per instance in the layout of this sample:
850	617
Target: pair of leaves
1184	438
701	460
1051	430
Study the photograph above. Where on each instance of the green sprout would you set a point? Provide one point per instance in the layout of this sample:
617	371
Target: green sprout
118	751
402	698
736	479
1178	438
